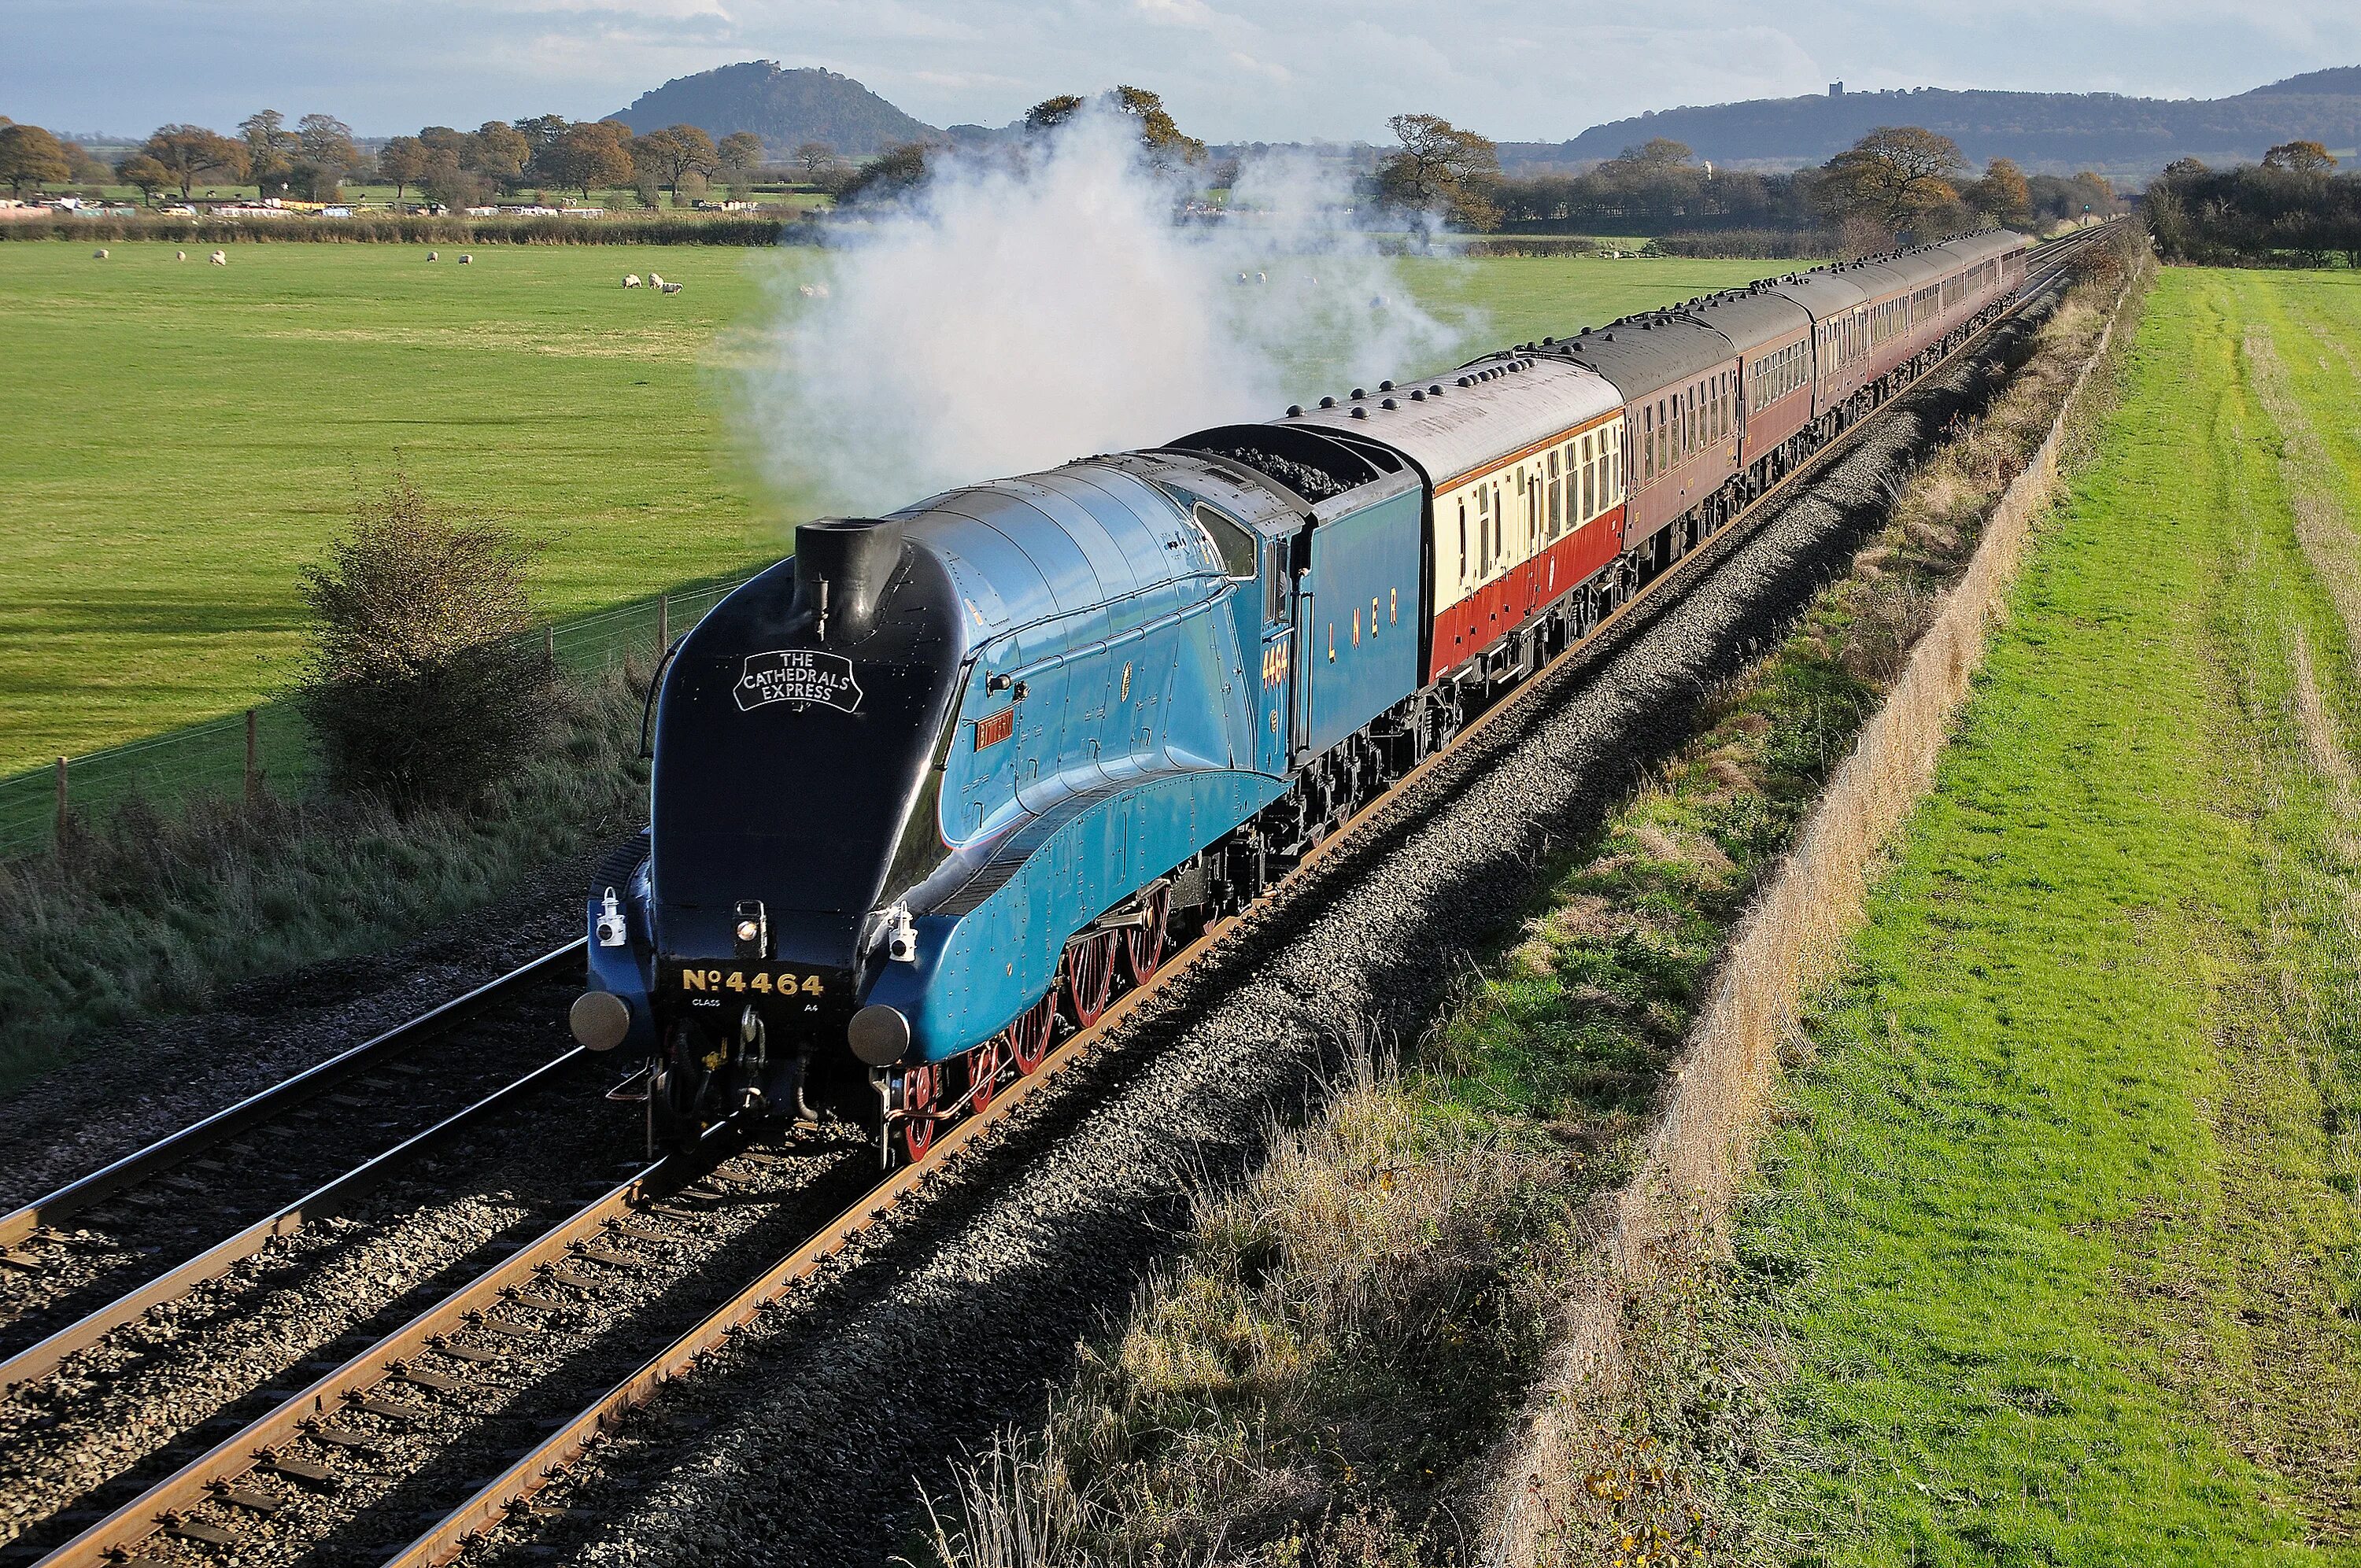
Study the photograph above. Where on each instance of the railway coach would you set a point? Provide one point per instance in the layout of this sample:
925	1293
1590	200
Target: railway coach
932	792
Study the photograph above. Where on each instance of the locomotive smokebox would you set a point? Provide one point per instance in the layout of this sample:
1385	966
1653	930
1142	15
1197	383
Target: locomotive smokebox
842	564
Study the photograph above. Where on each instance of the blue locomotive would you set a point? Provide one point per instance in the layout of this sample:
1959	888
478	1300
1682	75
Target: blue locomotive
935	789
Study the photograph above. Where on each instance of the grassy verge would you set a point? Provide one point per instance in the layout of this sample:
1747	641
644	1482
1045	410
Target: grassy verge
155	913
1327	1369
2058	1247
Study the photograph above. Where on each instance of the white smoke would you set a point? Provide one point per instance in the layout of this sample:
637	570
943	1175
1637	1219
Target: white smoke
1023	308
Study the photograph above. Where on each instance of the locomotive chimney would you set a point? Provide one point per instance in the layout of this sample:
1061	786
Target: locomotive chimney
842	564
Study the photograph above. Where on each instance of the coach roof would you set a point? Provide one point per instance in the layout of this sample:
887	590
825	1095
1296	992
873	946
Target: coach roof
1469	417
1643	355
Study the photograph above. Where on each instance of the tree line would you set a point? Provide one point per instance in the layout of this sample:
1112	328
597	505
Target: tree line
314	158
1895	181
2292	209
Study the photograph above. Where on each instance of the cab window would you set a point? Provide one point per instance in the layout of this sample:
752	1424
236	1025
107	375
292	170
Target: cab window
1233	544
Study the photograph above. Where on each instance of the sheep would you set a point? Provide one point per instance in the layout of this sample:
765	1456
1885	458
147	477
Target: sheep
805	290
179	255
632	281
434	256
465	258
99	254
672	287
655	281
219	258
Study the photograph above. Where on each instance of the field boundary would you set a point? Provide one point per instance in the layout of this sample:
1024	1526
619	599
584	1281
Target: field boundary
1698	1149
269	746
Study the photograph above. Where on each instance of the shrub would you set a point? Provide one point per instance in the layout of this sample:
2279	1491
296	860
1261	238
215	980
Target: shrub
421	684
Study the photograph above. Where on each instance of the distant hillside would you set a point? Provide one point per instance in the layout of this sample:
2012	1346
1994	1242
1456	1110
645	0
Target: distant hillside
2045	132
785	108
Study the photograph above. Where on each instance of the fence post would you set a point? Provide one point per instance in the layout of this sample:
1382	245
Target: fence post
663	622
253	761
549	643
61	797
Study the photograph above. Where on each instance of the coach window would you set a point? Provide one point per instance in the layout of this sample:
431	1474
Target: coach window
1462	539
1647	444
1556	496
1234	544
1483	531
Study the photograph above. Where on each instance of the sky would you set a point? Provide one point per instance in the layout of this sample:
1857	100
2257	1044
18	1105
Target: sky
1230	69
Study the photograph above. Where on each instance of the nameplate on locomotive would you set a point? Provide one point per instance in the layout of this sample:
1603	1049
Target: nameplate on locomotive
800	676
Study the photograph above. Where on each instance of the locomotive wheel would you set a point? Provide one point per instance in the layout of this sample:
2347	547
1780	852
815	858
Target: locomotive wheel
983	1071
1143	945
918	1095
1090	976
1028	1038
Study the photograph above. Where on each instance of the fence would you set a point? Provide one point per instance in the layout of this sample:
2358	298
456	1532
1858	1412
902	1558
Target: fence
269	747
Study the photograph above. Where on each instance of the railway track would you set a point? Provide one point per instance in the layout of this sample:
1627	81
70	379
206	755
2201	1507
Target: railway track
98	1251
588	1318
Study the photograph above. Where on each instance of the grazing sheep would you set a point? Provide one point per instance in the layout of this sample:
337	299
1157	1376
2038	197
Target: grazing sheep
655	279
179	255
465	258
671	287
434	256
1262	276
805	290
98	255
219	258
632	281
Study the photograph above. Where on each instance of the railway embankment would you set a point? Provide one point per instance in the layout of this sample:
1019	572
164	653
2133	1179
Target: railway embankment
2053	1257
1327	1367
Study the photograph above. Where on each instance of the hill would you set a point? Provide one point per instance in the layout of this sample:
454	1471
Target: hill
2045	132
784	107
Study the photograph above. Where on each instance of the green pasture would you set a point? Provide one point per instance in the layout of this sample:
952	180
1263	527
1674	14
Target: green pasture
184	438
2057	1241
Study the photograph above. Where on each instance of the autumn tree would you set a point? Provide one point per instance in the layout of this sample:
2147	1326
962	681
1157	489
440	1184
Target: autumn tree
1159	134
191	153
674	152
270	147
1051	113
2299	158
326	155
144	174
497	150
590	155
1439	167
402	163
1895	175
2003	194
739	152
819	164
30	156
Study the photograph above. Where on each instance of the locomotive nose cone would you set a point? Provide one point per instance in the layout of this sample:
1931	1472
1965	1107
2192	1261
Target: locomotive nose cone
599	1019
878	1035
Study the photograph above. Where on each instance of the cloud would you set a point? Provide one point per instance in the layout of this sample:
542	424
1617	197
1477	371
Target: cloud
1519	70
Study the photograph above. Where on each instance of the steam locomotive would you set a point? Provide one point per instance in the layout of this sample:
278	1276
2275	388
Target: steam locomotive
928	795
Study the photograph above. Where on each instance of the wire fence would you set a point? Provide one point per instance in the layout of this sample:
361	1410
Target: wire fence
270	748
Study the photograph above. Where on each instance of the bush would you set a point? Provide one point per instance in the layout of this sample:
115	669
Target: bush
419	229
422	686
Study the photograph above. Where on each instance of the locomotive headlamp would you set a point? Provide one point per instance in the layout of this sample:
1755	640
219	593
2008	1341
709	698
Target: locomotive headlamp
753	931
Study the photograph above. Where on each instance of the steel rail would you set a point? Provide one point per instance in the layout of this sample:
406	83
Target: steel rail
214	1473
194	1139
41	1359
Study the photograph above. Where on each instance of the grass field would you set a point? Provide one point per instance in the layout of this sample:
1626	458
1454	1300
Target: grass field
184	438
2059	1244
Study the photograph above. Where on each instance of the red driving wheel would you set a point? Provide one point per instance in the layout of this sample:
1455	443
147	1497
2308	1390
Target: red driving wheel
1143	945
918	1099
1090	976
1028	1038
983	1071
